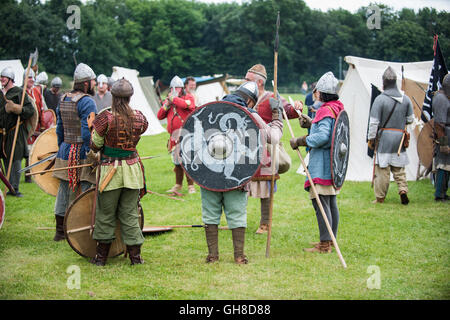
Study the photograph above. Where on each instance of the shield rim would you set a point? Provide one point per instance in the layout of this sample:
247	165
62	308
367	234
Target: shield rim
420	138
31	154
253	119
332	148
3	212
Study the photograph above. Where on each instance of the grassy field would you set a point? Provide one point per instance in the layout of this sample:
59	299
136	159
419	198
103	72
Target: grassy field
408	246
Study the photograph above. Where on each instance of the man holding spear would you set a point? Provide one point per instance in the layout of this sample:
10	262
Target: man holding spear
12	110
73	140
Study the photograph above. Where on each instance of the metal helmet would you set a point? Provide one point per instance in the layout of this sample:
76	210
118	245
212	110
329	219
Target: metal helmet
8	72
42	78
83	73
102	79
249	89
122	88
31	74
446	85
327	83
56	82
389	74
176	82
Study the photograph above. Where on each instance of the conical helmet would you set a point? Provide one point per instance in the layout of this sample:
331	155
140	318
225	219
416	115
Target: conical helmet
83	73
122	88
249	89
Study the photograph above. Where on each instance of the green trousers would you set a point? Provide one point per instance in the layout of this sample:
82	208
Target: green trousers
121	204
233	203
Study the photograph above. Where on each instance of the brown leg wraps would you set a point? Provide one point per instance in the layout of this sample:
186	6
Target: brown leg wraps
59	235
134	253
212	240
179	173
102	254
238	235
265	211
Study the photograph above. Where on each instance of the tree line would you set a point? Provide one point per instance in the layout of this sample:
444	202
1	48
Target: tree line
167	37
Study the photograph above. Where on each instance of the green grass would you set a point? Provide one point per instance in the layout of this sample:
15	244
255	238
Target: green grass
409	244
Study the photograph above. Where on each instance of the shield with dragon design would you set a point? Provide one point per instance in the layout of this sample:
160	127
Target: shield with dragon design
220	146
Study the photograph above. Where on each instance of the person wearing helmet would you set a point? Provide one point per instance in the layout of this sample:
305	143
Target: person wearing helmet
10	110
176	109
52	96
261	188
234	202
103	97
35	96
41	85
441	160
116	133
74	136
391	112
319	142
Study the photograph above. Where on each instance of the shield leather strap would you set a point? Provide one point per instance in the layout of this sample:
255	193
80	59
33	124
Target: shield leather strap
220	146
2	209
45	145
77	226
340	149
425	144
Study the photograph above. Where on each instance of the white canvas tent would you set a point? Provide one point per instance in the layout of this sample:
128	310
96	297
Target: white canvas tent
17	67
138	100
210	89
355	94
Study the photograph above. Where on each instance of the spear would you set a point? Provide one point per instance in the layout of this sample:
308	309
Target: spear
272	182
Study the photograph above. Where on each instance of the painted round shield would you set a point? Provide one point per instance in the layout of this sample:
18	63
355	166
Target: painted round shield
2	209
45	145
77	227
48	118
425	144
340	149
220	146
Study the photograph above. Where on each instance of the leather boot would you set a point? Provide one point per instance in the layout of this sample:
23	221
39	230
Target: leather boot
265	215
404	198
238	235
135	254
322	247
102	254
212	240
59	235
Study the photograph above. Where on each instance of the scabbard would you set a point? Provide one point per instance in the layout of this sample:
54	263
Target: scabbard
109	176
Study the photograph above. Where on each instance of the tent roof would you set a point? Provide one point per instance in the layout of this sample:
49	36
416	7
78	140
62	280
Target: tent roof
371	70
138	100
17	67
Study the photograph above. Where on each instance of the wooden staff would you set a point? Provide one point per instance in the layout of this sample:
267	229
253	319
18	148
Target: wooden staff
272	182
324	216
16	131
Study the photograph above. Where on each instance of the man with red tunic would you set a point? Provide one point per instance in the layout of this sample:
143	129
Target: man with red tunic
260	186
176	109
35	96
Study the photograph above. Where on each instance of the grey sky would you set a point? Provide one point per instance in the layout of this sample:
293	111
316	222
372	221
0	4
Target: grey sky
353	5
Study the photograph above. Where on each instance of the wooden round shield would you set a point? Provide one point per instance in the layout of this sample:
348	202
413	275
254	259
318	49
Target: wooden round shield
340	149
45	145
220	146
77	227
425	144
2	209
